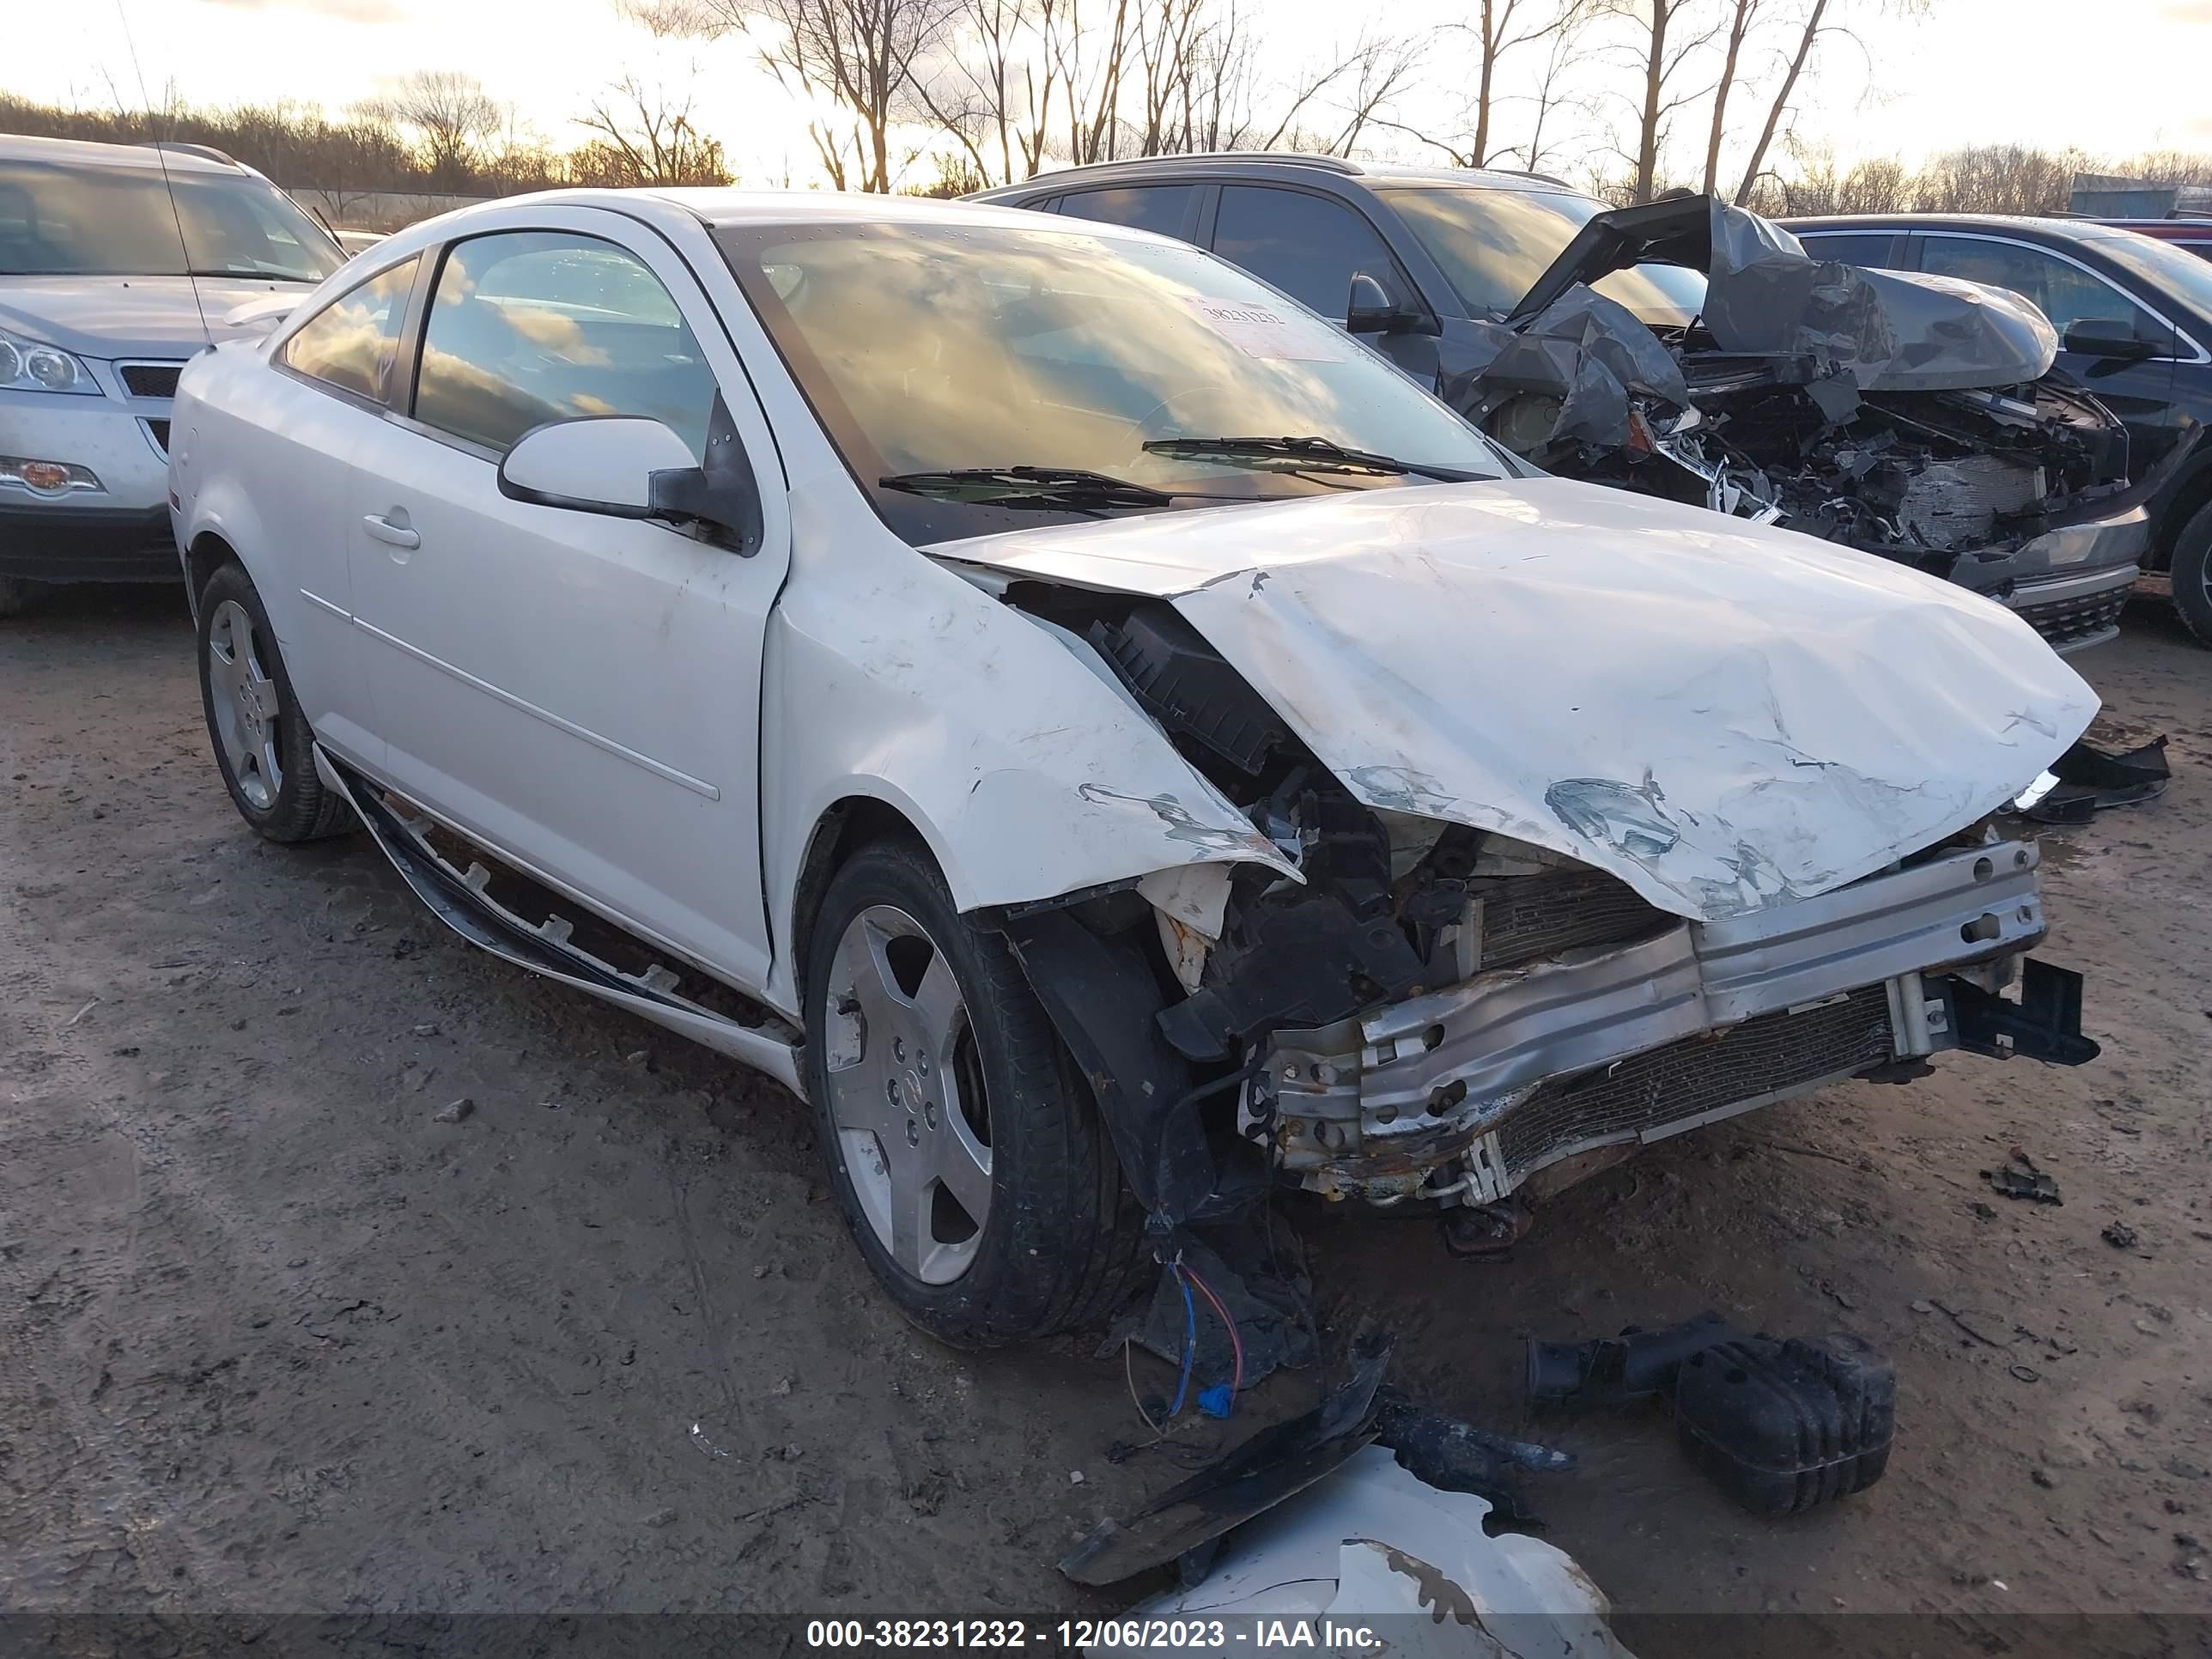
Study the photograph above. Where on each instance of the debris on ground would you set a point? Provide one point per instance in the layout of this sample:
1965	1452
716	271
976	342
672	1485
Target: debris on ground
1191	1516
1227	1312
1186	1523
453	1111
1609	1371
2091	778
1783	1424
1371	1538
2119	1236
2028	1182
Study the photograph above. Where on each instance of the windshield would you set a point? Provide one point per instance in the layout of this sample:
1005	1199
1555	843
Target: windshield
118	221
2166	268
1492	244
930	349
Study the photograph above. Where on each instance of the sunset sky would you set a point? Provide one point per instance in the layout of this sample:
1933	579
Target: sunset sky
1970	71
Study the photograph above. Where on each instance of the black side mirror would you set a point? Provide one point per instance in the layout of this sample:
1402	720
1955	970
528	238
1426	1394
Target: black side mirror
1371	310
2099	337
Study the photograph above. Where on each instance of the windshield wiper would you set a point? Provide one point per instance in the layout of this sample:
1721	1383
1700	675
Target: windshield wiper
1304	452
1046	486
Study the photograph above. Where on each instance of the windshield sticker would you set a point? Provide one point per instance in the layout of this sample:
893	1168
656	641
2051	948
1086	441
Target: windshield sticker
1266	330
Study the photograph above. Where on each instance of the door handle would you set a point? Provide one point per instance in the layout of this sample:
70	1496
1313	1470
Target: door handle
397	535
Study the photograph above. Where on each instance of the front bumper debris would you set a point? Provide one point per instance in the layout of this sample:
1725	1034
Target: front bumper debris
1464	1093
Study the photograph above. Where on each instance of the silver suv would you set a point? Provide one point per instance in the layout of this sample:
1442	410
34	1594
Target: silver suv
118	262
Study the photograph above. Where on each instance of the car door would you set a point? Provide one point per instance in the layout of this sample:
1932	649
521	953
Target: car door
581	691
2141	391
1311	247
326	400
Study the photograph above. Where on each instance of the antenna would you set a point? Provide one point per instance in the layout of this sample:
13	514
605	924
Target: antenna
169	184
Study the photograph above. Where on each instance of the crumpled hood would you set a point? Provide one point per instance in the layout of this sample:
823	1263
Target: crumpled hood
1893	330
126	317
1724	715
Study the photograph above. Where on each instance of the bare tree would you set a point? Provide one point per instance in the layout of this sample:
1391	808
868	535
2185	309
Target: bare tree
450	116
857	55
1742	17
1560	28
1089	61
1667	38
646	136
1815	23
986	91
1996	178
1346	95
1495	36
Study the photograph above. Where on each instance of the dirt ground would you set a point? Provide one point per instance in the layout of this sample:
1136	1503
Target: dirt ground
273	1337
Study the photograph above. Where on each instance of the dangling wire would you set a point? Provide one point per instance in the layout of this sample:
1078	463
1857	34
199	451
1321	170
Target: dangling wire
1189	1342
1236	1340
1129	1375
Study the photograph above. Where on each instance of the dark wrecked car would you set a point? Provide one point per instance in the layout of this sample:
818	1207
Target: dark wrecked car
1914	417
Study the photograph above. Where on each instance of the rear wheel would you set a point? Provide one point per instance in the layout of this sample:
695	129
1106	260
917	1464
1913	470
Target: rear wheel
2192	574
261	739
966	1155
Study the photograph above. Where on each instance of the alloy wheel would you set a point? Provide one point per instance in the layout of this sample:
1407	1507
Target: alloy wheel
248	709
907	1094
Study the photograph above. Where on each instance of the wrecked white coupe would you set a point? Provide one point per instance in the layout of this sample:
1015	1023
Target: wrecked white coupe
1108	740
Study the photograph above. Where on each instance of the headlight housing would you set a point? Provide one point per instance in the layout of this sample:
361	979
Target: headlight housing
28	366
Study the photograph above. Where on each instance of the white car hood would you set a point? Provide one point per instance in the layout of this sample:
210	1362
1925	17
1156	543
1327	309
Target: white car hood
1724	715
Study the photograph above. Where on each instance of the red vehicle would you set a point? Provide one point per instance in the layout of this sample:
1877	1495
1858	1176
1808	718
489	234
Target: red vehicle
2195	235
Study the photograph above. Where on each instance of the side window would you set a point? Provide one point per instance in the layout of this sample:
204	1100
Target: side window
531	326
2064	293
1141	207
1306	245
1854	247
350	343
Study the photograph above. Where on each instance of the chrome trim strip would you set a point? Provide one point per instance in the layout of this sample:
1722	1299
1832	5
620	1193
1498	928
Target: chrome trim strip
320	603
660	769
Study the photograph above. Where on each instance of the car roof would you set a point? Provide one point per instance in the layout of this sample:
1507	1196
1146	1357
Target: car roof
85	153
1283	167
2077	230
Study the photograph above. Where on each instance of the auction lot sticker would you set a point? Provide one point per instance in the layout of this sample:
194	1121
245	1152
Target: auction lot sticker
1270	330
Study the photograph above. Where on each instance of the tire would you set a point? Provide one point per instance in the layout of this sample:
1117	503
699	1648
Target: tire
261	740
14	595
2192	574
1058	1237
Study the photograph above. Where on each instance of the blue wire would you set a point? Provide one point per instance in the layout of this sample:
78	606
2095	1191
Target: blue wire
1190	1346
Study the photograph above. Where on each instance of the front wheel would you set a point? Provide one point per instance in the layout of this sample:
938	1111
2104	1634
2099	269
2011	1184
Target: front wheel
965	1153
2192	574
261	739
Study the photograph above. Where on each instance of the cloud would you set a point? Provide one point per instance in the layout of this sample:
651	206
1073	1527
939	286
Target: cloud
339	11
2187	11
